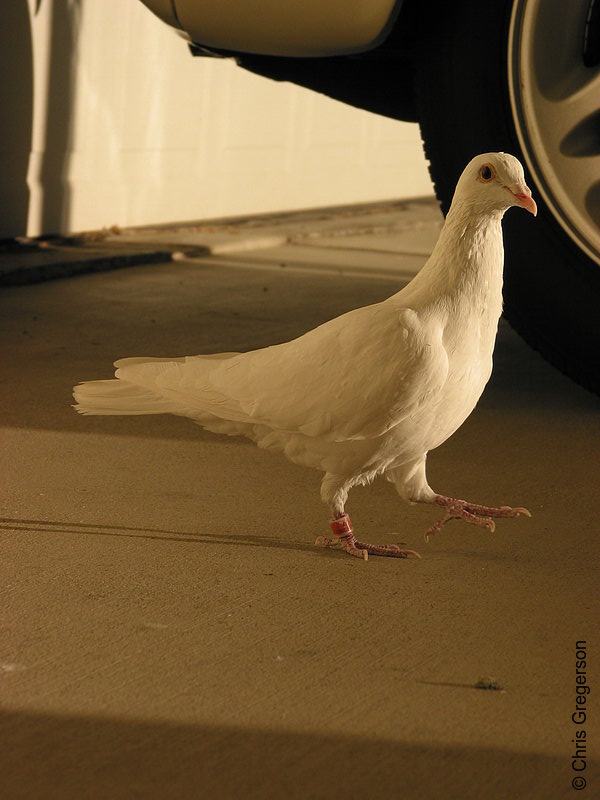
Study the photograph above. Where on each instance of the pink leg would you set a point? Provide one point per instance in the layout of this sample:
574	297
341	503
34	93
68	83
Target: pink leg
471	512
344	537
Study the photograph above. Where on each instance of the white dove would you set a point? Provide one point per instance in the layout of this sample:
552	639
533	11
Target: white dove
370	392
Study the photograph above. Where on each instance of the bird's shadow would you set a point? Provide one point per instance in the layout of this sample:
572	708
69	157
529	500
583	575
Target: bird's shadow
158	534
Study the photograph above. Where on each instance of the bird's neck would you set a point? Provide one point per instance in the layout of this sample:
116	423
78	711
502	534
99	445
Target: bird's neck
464	271
476	238
469	254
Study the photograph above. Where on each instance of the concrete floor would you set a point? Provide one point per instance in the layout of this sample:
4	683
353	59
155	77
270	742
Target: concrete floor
170	631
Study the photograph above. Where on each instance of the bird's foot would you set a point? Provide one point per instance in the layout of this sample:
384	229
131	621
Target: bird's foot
344	537
471	512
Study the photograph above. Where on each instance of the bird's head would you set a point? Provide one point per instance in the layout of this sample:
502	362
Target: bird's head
494	182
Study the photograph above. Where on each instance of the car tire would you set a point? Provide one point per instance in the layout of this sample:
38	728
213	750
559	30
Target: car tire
472	76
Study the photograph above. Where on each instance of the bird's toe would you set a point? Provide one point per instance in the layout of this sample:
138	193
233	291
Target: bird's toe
522	511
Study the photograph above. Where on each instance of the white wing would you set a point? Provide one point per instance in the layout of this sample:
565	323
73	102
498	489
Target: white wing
354	377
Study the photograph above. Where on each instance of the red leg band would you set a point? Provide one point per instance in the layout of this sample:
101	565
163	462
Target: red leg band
342	526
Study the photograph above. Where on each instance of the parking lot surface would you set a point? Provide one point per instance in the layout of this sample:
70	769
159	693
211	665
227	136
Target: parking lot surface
171	631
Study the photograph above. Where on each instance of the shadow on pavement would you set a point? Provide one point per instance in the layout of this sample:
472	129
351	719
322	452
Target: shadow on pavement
158	534
73	757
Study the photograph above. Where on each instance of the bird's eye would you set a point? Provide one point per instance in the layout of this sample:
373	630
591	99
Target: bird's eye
487	173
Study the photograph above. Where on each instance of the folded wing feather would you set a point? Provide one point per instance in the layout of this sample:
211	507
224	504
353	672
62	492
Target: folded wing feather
354	377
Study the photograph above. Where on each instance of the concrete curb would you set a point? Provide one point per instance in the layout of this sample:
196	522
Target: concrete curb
66	265
30	261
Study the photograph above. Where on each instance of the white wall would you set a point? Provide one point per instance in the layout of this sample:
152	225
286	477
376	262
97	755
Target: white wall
129	129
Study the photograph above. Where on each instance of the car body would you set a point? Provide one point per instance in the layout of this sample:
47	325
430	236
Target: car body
516	75
268	27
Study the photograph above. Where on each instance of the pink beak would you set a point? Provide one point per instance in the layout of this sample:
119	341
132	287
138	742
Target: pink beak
523	195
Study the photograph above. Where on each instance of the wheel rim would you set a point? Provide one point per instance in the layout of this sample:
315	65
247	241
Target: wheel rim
554	87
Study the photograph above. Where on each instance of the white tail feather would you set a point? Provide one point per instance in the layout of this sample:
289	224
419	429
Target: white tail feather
119	397
137	389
